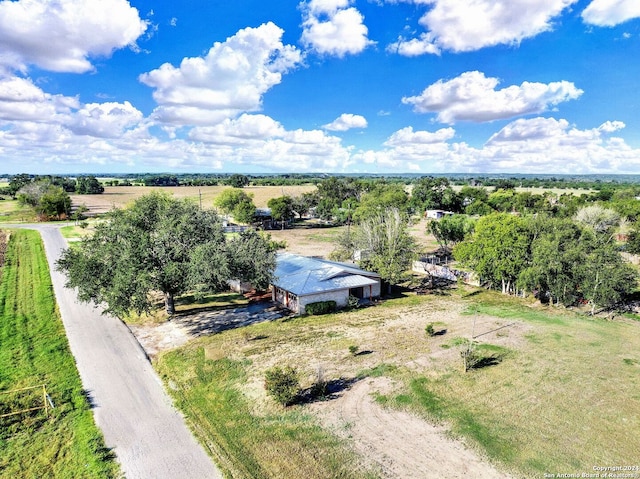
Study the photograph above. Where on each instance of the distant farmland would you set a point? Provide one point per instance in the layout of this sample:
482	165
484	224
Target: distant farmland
119	196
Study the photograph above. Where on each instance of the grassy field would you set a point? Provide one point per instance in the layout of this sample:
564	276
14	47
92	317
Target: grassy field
34	351
562	398
540	190
12	212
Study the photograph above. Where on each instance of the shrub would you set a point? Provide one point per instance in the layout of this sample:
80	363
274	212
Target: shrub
470	356
353	302
353	349
282	384
321	307
430	330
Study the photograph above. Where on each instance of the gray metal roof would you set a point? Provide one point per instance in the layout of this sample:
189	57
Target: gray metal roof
303	275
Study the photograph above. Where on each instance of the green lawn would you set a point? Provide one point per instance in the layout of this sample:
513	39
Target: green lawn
34	350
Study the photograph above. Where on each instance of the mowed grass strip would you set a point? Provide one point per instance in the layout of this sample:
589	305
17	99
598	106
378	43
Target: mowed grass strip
33	351
282	444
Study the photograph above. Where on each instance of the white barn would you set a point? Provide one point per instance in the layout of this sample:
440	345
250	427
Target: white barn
300	280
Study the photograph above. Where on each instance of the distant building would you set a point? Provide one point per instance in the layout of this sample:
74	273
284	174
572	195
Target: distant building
437	214
300	280
263	218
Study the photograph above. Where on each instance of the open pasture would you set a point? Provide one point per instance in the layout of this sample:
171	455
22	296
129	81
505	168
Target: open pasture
120	196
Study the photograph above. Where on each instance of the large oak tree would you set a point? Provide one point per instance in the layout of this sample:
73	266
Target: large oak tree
161	244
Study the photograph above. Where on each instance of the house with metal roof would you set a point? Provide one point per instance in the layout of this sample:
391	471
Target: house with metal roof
300	280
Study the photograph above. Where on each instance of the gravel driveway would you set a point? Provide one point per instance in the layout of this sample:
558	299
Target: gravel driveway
148	435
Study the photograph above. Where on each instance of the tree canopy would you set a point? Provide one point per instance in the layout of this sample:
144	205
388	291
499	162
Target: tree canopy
89	185
281	209
237	203
48	200
431	193
379	198
498	249
387	246
161	244
557	258
450	229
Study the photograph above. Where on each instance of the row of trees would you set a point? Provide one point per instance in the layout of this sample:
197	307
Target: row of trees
350	199
346	200
558	259
88	185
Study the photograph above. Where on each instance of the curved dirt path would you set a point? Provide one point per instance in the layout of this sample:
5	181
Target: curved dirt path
131	407
400	444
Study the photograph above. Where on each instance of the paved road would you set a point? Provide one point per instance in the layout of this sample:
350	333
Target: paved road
137	418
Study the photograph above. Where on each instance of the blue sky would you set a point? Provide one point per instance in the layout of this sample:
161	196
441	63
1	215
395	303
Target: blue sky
377	86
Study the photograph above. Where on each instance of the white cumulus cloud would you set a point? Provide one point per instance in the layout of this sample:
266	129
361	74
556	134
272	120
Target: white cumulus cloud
539	145
331	27
61	35
536	145
608	13
473	97
611	126
21	100
230	79
105	120
242	130
345	122
407	136
467	26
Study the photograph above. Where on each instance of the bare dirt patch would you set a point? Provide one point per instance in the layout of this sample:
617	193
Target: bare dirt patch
4	240
309	241
397	443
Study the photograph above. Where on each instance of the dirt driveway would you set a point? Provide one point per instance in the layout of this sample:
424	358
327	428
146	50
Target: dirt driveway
155	338
396	443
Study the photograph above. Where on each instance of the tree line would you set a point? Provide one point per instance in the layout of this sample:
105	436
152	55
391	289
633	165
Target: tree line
559	260
49	195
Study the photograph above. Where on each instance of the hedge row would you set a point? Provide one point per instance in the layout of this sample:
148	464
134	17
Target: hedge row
321	307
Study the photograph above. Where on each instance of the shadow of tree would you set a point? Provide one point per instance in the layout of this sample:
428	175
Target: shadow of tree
216	321
485	361
364	352
326	391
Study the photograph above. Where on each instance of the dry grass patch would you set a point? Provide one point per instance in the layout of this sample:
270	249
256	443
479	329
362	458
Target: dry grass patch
121	196
11	211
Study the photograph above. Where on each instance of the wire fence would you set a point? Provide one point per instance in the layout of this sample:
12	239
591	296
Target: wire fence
27	405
